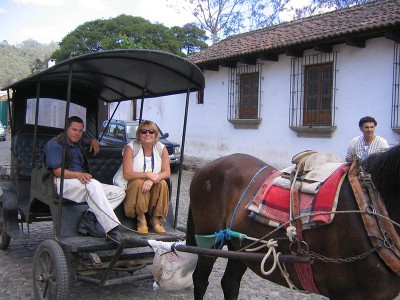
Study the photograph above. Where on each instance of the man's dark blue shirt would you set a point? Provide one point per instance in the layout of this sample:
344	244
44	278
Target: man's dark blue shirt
54	152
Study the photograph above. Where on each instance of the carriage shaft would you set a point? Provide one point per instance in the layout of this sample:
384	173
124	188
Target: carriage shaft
284	258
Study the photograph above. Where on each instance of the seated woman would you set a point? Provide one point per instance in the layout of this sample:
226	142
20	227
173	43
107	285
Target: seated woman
145	167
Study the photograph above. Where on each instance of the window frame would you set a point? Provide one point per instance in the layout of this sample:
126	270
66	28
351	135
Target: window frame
395	118
324	118
315	111
244	95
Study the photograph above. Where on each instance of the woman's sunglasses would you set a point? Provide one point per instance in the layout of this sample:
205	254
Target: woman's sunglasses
144	131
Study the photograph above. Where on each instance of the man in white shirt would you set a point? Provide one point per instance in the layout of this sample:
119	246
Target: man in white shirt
368	143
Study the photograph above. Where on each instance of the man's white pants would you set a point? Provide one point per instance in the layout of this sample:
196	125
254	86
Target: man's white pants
102	199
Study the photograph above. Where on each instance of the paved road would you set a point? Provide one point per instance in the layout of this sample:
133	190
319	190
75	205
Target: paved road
16	268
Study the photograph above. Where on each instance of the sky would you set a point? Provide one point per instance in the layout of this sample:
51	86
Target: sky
49	21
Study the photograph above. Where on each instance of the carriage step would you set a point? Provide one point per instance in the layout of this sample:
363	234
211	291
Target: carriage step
18	235
93	260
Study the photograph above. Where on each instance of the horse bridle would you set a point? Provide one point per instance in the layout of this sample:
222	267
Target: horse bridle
379	227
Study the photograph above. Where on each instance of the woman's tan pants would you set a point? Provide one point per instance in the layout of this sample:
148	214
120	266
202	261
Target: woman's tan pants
154	202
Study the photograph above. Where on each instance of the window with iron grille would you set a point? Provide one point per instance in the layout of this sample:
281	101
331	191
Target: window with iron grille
312	90
396	88
244	92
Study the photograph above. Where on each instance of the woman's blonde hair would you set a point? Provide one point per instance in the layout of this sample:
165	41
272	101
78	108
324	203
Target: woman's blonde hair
148	123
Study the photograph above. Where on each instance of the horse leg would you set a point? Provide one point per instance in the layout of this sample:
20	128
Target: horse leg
233	274
201	275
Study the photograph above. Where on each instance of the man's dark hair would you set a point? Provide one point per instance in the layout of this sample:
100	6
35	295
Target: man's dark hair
72	119
366	119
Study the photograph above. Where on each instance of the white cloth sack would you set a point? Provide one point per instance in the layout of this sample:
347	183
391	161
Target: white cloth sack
172	270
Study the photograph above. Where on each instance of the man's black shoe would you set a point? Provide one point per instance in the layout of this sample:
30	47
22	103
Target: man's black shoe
89	225
115	235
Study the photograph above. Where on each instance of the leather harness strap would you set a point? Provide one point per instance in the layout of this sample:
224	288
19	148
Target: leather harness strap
381	231
294	191
304	271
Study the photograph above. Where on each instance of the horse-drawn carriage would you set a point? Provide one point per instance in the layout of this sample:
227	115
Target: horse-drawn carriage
40	106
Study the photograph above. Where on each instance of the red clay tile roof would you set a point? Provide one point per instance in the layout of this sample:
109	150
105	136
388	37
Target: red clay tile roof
367	20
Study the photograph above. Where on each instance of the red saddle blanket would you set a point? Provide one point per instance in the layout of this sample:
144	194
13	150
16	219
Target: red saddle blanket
271	204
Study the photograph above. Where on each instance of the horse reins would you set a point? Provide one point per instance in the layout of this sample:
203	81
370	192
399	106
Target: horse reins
245	192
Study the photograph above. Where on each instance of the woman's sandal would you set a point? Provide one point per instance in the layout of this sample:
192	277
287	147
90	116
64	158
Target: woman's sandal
143	229
142	224
158	228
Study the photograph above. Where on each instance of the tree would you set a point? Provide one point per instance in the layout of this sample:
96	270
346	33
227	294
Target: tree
192	39
319	6
13	66
122	32
338	4
36	54
215	15
221	18
22	60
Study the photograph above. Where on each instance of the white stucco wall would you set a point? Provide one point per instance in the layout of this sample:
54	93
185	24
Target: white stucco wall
364	87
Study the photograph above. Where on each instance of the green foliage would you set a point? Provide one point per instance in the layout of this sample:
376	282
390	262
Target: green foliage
191	38
122	32
36	54
22	60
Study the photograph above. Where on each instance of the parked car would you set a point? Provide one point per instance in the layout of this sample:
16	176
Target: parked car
121	132
2	132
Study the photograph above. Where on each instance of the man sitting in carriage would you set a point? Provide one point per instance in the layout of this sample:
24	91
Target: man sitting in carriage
79	185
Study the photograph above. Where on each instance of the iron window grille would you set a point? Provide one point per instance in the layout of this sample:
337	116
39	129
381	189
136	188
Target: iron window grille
244	92
396	88
312	90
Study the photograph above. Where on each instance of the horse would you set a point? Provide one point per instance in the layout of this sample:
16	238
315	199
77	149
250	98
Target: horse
219	193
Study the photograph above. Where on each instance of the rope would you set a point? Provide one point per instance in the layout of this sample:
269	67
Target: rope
244	193
272	244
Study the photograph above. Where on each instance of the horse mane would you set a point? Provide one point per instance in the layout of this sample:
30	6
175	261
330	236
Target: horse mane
384	168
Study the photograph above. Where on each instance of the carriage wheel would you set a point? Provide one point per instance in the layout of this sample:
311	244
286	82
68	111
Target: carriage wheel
5	238
50	272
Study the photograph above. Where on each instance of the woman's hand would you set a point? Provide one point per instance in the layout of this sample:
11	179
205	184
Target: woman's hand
147	185
154	177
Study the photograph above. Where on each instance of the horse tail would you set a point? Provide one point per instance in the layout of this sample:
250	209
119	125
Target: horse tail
190	230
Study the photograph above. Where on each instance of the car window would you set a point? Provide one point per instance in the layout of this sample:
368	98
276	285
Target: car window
110	130
119	133
131	131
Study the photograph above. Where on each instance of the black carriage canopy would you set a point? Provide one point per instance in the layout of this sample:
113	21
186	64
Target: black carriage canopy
111	76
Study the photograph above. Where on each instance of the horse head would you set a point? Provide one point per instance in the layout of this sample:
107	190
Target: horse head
385	173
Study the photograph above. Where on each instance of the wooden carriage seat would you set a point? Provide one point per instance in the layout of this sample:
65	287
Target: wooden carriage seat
21	167
103	167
